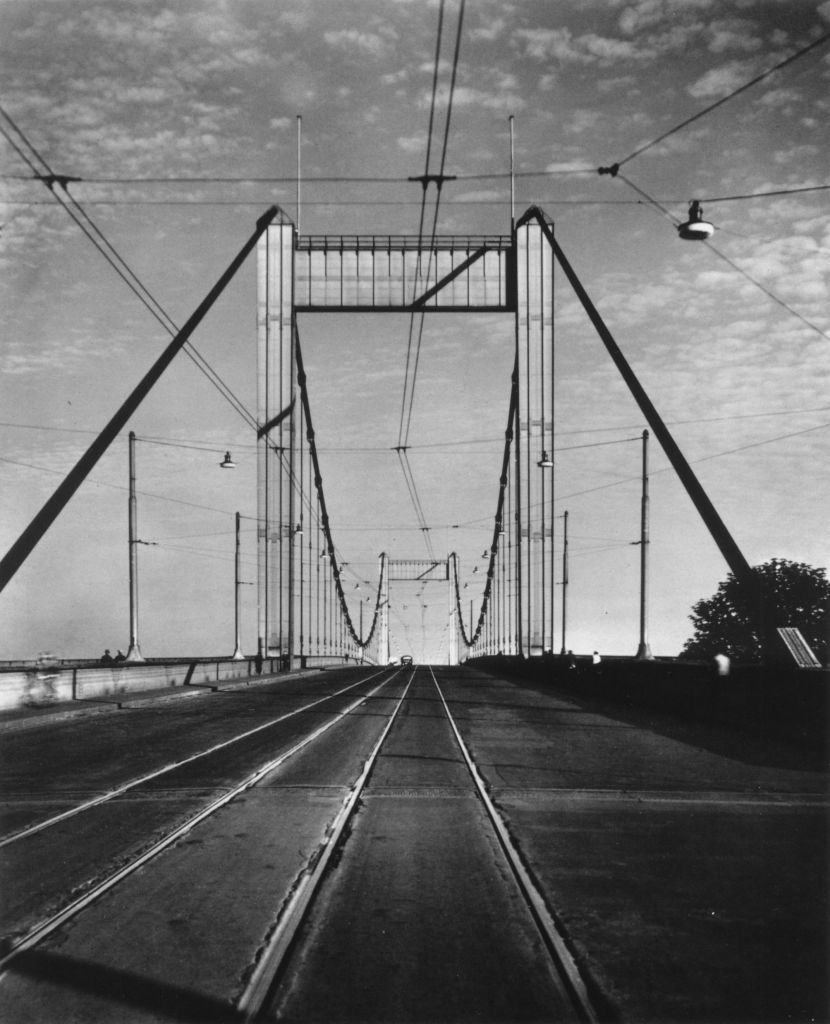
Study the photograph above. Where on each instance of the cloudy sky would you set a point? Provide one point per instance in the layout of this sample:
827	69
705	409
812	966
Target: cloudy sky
180	120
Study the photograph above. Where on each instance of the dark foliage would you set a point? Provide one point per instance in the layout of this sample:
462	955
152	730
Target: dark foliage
794	594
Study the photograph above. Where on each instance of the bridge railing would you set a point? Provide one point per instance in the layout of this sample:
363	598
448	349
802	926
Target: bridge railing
83	680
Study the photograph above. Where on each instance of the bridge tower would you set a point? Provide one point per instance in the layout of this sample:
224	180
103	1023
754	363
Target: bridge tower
446	274
406	274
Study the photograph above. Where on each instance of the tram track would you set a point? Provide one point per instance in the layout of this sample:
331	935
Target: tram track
91	892
424	857
261	997
157	773
542	915
279	957
276	951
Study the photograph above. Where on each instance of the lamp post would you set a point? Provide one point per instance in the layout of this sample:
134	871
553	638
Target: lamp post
564	581
134	650
643	650
237	650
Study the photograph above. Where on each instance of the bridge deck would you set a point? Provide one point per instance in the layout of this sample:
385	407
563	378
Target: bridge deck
657	844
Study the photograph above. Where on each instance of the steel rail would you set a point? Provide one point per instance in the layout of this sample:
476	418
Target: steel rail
269	966
45	928
550	932
127	786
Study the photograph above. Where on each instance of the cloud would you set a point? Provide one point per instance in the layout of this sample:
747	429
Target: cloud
568	166
357	43
581	121
644	14
412	143
722	80
394	77
482	195
464	96
610	49
561	45
493	30
733	34
780	98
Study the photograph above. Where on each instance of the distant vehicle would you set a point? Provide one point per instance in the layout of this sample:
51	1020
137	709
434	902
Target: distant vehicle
406	659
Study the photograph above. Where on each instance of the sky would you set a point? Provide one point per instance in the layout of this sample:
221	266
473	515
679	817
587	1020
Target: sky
170	112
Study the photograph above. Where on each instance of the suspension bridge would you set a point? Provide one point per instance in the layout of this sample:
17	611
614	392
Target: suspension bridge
319	800
303	609
322	827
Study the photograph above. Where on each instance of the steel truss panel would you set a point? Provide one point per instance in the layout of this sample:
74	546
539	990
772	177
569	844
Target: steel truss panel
418	569
402	274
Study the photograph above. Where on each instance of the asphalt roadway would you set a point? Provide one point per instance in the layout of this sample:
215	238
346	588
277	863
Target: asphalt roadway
685	865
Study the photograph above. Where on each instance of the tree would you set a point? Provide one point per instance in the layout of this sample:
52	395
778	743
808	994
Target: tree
794	594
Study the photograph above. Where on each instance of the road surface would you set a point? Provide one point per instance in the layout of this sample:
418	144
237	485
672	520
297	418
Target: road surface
408	844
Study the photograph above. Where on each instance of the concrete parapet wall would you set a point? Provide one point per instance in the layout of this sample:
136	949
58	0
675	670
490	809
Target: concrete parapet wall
43	685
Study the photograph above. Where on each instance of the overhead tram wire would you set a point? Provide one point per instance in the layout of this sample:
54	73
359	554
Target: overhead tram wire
407	394
422	212
116	261
408	397
320	179
425	449
120	487
111	255
439	181
614	168
474	523
397	203
102	244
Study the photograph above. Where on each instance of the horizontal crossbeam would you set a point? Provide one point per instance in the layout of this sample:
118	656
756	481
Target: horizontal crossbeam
398	273
417	569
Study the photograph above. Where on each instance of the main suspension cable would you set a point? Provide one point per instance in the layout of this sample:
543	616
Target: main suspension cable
498	527
336	569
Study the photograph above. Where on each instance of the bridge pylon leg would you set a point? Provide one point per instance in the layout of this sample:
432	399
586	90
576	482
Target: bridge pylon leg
276	392
533	525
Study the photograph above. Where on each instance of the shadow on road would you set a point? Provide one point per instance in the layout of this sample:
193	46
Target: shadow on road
122	987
